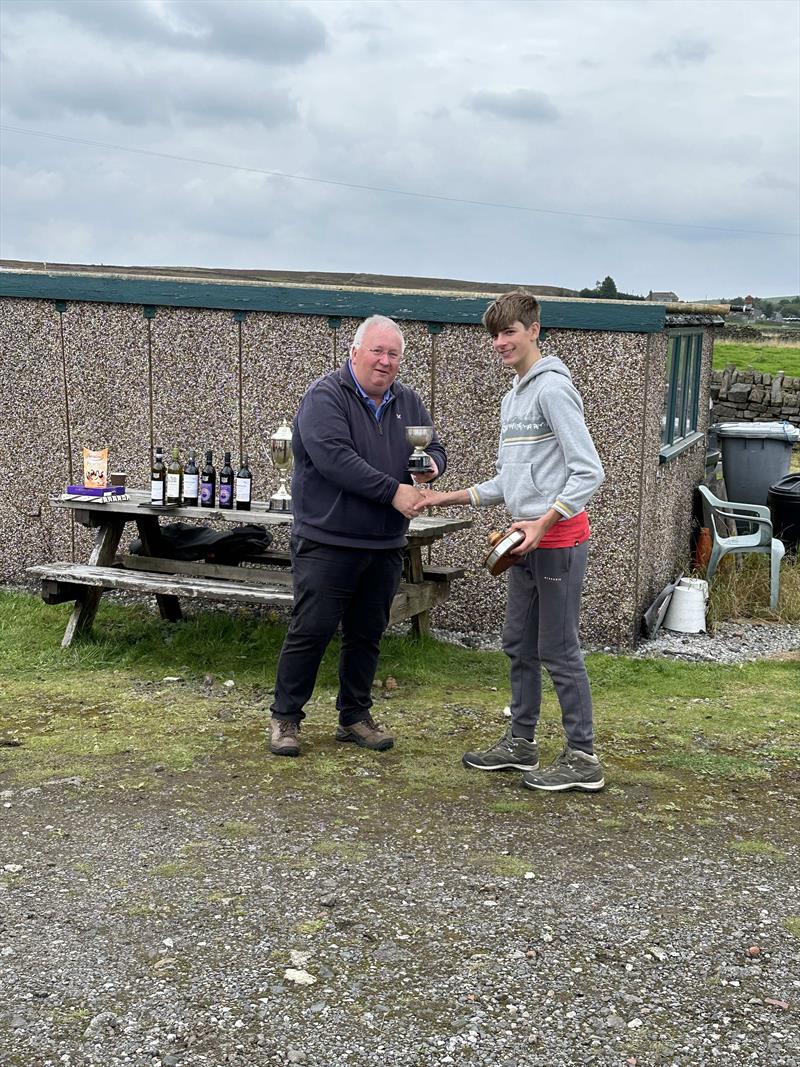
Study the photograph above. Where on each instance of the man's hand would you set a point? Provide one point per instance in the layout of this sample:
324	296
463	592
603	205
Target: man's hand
430	498
406	500
429	476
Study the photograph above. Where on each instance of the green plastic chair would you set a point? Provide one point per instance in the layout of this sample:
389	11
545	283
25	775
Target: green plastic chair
761	540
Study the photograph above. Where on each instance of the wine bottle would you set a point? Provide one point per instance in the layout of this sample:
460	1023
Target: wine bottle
208	482
175	479
158	479
226	483
191	482
244	486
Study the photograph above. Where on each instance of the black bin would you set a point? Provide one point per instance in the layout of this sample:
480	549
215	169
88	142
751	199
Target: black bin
783	500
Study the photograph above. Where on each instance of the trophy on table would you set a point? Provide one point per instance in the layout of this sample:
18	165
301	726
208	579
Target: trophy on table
280	452
419	462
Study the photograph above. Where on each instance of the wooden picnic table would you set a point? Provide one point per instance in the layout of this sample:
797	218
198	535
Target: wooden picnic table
262	579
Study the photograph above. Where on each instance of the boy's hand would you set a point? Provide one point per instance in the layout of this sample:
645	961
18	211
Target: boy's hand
428	498
534	530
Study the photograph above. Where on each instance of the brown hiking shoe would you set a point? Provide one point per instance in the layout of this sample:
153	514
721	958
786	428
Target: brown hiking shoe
284	737
367	733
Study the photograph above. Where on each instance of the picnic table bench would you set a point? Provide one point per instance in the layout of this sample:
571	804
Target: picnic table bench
263	579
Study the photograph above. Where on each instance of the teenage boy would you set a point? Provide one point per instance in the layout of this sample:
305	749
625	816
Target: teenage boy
547	471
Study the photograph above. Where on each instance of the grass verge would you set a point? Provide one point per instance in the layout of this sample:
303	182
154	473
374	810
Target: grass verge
670	732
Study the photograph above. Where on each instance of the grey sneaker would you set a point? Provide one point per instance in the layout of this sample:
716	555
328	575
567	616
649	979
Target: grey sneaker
509	751
367	733
572	770
284	737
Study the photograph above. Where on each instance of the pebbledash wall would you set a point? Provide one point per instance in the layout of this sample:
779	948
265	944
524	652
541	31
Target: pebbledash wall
229	358
749	394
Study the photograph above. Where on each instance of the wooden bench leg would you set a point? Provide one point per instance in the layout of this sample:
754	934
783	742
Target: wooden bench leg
150	534
421	622
102	555
82	617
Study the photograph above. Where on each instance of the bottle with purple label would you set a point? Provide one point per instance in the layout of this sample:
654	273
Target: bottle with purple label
208	482
226	484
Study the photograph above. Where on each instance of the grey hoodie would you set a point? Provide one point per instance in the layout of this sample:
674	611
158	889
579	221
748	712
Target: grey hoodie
546	457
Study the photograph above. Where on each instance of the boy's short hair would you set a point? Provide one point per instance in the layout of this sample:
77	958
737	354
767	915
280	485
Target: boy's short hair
516	306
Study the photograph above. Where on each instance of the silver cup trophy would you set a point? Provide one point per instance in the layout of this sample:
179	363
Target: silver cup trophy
280	452
419	462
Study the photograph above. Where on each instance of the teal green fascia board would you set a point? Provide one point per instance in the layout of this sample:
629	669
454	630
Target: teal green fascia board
614	316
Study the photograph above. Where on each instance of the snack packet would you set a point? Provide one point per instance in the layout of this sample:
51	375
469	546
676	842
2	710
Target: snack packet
95	468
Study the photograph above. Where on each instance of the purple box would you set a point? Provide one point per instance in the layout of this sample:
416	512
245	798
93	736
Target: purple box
108	490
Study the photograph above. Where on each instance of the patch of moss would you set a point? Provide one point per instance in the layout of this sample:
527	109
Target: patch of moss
311	926
753	847
236	829
792	924
510	866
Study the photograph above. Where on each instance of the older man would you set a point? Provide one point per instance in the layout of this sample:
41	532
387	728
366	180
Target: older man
352	499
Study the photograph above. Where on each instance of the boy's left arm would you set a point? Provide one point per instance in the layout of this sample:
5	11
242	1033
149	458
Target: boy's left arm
563	410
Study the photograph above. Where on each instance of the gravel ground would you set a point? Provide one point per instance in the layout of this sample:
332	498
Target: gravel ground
197	922
204	920
732	642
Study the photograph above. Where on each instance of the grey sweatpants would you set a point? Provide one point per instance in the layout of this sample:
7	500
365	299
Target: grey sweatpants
541	628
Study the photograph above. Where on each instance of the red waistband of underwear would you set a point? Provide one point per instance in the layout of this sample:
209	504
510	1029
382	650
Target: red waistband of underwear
568	532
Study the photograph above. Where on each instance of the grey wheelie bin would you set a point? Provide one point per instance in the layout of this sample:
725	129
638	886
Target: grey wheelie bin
755	455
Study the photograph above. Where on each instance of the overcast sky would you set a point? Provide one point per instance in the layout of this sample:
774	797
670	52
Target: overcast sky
672	113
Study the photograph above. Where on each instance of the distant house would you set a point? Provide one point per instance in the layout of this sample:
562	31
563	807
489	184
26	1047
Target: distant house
662	298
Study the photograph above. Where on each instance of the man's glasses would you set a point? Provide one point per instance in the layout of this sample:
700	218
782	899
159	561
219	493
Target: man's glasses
390	353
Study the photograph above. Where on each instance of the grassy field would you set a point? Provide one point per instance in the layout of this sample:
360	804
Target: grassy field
766	358
143	694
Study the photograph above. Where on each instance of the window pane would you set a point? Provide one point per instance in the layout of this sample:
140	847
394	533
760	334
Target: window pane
698	356
666	418
688	386
680	388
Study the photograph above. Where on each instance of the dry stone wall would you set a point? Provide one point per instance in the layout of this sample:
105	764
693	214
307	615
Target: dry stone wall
739	395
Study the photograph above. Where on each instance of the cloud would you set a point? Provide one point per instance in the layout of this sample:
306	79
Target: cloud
163	94
265	33
683	52
521	105
769	180
67	72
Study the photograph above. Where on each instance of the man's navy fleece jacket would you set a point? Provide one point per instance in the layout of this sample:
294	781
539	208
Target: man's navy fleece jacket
348	465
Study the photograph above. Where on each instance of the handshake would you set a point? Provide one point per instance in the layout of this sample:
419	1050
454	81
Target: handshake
411	500
431	498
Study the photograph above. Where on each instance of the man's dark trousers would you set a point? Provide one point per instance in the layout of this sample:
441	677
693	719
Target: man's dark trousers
332	585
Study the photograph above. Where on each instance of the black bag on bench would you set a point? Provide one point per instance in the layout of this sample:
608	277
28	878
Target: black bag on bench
182	541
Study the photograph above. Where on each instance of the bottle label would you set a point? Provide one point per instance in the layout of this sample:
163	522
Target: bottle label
243	489
156	491
173	485
190	484
225	494
207	492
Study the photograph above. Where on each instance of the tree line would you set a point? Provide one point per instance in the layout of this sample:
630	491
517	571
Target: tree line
607	290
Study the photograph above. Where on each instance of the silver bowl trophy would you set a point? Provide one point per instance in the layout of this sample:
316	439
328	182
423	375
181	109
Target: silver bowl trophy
419	462
280	452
